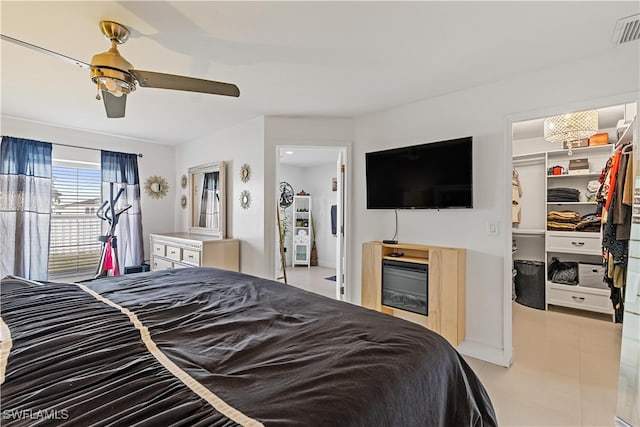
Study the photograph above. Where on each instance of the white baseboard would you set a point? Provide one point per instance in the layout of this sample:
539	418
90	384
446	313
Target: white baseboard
484	352
327	263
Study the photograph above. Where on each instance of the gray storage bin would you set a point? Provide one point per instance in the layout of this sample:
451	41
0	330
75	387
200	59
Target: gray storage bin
591	275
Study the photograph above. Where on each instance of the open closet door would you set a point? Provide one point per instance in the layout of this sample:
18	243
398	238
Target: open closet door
340	243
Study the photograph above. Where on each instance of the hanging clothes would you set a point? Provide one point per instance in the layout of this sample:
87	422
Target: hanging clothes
622	211
516	193
616	219
613	175
603	190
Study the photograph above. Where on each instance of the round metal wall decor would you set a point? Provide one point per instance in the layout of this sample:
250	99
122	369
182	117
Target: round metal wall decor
156	187
286	194
245	199
183	181
245	173
183	201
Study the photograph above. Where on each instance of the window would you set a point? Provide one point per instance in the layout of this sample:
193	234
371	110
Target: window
75	198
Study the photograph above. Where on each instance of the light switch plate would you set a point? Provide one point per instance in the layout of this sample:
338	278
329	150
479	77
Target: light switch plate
492	228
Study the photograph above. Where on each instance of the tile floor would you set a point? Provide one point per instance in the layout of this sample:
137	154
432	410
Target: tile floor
564	373
313	279
565	368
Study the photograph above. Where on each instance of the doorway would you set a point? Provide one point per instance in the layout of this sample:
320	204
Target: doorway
529	240
311	193
562	344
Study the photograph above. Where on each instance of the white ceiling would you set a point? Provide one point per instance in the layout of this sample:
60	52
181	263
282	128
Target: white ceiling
308	157
288	58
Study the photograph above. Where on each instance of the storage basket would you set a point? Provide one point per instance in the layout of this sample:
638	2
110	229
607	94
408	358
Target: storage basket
591	275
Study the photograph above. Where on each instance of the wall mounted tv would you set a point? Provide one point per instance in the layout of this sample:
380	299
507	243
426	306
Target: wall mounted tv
436	175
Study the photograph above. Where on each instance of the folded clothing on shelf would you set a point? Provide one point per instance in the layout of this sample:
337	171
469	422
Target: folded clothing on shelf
564	216
592	190
590	223
560	226
572	221
562	194
562	220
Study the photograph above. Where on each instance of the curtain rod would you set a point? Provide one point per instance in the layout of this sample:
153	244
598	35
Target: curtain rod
89	148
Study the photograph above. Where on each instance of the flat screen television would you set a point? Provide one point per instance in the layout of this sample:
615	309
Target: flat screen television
436	175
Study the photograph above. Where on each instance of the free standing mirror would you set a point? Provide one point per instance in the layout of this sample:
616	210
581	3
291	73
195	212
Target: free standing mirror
208	199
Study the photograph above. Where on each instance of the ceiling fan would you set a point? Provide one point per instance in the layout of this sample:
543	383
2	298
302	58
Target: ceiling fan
115	77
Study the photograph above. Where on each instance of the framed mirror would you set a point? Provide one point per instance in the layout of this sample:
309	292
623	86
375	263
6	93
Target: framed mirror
208	199
156	187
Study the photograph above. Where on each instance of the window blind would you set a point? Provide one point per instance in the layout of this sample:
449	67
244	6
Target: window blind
75	198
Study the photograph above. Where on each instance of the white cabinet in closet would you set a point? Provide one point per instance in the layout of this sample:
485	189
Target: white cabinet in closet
583	247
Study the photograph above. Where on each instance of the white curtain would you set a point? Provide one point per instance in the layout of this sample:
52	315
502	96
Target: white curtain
25	207
122	170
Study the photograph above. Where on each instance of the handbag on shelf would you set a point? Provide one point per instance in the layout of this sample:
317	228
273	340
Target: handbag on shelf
563	272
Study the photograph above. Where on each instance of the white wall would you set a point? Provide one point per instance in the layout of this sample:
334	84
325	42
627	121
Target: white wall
322	197
243	143
298	131
254	142
157	214
482	113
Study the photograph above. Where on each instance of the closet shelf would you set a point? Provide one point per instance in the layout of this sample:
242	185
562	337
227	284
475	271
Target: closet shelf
575	175
529	231
627	136
592	149
572	203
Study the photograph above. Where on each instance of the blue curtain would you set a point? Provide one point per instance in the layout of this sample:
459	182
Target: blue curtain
122	170
25	207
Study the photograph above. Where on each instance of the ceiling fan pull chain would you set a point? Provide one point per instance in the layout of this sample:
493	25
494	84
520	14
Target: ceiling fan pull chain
98	94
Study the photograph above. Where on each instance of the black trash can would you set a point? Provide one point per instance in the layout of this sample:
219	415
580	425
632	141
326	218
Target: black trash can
529	283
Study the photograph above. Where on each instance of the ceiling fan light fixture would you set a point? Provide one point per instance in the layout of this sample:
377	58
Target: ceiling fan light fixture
115	77
115	82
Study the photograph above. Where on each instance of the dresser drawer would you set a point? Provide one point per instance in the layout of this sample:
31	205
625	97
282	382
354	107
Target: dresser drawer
179	265
574	297
174	252
581	243
158	249
161	264
192	257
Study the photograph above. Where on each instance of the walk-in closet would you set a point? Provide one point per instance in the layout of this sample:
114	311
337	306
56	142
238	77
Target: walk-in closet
557	207
576	252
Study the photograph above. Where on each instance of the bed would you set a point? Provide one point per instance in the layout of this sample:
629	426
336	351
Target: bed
209	347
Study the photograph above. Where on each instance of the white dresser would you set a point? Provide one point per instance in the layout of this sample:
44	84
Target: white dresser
183	250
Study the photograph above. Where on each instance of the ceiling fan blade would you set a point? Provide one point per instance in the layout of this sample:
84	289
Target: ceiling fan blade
45	51
171	81
114	105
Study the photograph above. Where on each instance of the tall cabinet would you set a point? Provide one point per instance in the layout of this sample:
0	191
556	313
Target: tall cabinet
583	247
534	241
301	230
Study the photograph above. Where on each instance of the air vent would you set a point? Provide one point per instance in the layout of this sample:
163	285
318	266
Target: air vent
627	29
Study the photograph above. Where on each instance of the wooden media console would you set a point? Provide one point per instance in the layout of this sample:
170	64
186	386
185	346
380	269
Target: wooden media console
446	285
